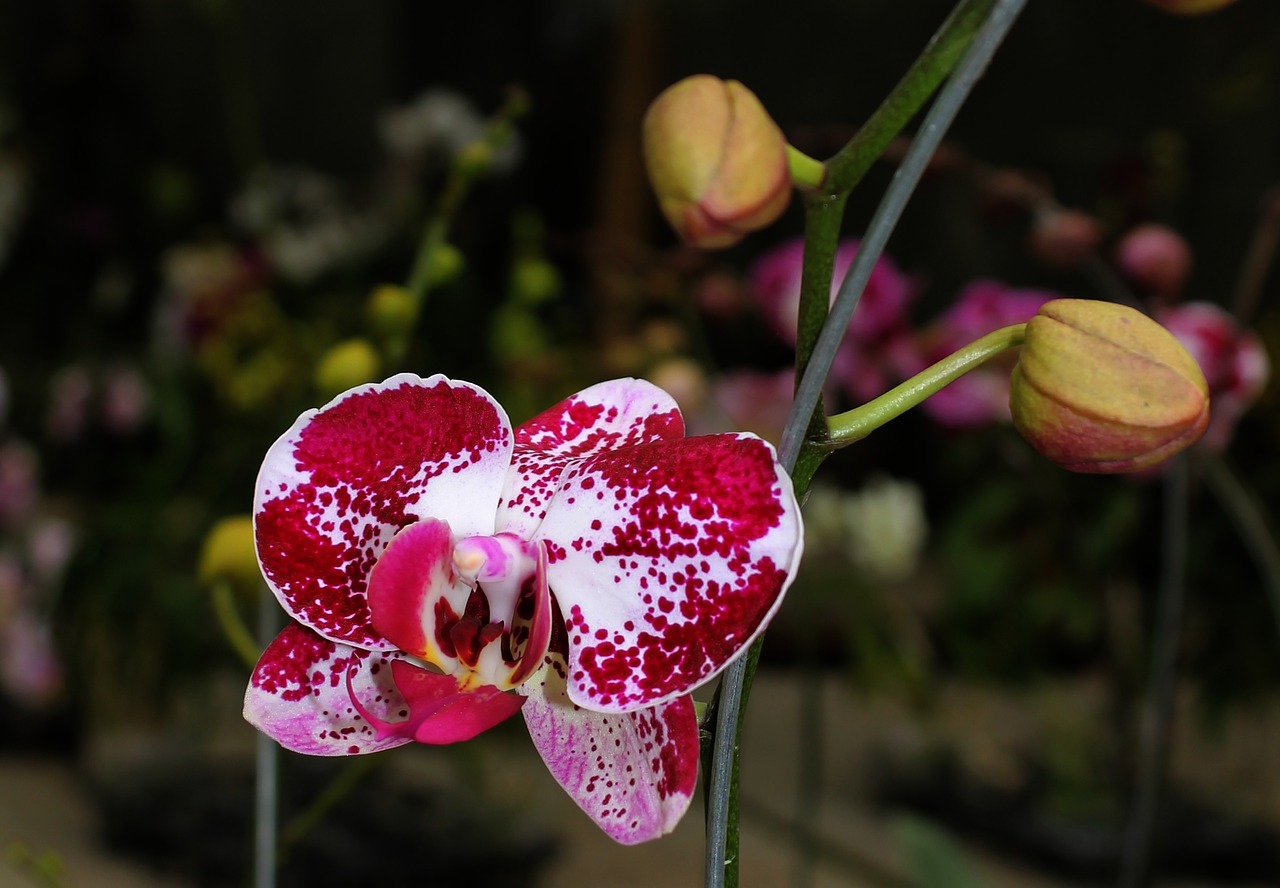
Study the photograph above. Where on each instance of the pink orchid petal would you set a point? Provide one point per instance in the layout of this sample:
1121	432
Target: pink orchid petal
539	625
344	479
633	773
439	711
406	585
298	695
606	416
666	560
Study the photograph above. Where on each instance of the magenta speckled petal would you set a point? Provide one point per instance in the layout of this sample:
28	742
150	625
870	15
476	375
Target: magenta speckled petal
344	479
439	712
666	560
298	695
604	417
633	773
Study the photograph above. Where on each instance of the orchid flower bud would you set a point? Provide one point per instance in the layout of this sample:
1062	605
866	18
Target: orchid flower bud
1101	387
717	161
1190	7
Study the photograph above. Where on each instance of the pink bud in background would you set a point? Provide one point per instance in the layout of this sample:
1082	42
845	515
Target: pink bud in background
1155	259
1232	359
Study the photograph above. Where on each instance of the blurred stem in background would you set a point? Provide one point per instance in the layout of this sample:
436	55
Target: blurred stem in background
470	165
1157	709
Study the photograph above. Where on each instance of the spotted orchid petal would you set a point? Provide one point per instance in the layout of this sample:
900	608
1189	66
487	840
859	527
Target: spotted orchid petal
666	560
604	417
633	773
344	479
439	710
301	693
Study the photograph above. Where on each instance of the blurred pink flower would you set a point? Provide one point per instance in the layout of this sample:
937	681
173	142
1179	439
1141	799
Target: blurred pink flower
19	482
865	364
980	396
126	399
756	402
1232	359
29	668
70	394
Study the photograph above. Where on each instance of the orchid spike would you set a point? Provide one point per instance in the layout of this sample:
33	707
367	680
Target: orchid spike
588	568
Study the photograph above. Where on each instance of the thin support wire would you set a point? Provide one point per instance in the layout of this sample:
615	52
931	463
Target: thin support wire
267	754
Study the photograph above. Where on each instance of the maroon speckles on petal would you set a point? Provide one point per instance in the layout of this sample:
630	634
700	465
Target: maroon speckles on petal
336	487
694	562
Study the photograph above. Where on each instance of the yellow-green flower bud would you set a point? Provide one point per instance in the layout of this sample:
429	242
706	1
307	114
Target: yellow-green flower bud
347	364
1101	387
390	310
717	161
444	264
228	556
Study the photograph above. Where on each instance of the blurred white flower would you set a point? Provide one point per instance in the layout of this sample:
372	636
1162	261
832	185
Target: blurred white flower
50	542
879	530
304	222
439	122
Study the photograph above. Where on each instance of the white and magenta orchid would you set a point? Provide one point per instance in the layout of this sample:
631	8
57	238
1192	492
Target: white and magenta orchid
589	569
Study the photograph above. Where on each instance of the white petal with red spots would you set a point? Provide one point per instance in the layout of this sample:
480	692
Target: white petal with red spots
344	479
667	559
633	773
298	695
607	416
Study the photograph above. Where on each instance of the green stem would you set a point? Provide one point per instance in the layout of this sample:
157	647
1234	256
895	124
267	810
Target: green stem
806	172
847	167
335	791
224	606
1249	515
856	424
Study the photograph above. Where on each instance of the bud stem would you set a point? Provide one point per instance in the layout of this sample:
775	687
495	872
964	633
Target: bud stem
806	171
237	633
856	424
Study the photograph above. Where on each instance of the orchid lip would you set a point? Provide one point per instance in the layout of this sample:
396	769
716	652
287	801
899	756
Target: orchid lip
477	608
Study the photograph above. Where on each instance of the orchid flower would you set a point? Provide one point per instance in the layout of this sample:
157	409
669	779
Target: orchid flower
589	569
